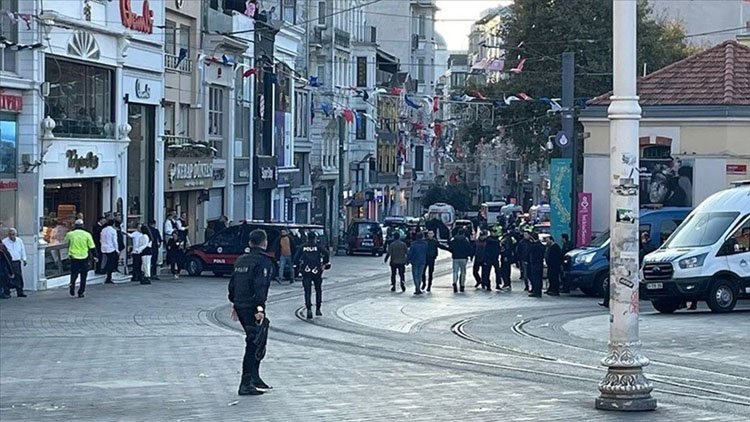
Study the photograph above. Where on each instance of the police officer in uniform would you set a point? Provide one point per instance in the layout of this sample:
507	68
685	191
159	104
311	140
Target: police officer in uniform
248	291
312	258
536	265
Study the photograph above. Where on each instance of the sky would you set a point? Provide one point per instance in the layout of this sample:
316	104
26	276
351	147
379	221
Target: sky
456	16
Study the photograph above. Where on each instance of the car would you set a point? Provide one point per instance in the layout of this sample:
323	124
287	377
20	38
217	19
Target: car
365	236
219	253
468	227
587	268
707	258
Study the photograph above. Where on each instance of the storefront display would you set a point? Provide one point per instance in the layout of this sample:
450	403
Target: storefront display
141	165
8	181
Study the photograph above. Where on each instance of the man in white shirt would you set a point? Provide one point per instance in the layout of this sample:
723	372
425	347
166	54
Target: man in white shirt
18	258
109	250
170	225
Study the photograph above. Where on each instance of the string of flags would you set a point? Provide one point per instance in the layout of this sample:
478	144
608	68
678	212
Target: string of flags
14	17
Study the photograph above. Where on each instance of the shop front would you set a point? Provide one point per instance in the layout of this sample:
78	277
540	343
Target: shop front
265	180
187	184
11	103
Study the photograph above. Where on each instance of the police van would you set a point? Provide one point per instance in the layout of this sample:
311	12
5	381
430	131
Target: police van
706	259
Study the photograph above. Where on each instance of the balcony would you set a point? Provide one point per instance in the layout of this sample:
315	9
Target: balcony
183	146
170	62
342	38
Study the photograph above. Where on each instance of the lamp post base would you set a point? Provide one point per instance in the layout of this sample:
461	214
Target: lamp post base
626	404
626	390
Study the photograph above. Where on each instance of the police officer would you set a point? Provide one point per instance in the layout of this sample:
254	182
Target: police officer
311	259
248	291
507	258
536	265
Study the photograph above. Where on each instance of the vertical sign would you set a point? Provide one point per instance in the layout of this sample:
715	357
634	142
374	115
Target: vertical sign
583	235
561	182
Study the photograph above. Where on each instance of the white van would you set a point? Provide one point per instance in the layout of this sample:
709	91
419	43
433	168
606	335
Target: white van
707	258
491	210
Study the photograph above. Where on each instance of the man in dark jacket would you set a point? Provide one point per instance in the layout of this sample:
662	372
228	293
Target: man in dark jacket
156	242
536	265
312	259
507	258
248	291
432	254
567	245
397	252
460	248
522	252
554	257
96	233
492	256
480	269
417	257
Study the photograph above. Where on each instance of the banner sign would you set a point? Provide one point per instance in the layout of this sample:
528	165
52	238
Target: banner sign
583	236
561	185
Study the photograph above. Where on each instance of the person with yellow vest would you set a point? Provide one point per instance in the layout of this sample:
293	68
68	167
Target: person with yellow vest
81	248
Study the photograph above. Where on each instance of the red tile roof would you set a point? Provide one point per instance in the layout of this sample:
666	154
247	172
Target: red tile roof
719	76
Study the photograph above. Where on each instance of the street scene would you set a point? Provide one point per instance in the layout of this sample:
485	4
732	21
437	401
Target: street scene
350	210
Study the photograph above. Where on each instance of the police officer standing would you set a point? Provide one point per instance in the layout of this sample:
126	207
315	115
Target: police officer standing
248	291
536	265
311	259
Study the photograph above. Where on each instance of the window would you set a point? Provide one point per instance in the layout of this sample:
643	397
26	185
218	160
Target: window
8	198
419	158
701	230
183	38
458	79
9	31
361	125
361	72
170	37
656	151
421	26
321	13
289	11
169	116
740	239
216	117
420	70
302	114
184	124
321	73
80	99
300	161
667	228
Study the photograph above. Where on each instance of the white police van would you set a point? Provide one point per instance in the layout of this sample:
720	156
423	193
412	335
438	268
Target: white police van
706	259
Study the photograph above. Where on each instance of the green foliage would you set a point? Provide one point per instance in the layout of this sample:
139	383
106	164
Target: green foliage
540	31
459	196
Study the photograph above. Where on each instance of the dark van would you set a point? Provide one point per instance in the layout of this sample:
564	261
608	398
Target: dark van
365	236
587	268
219	253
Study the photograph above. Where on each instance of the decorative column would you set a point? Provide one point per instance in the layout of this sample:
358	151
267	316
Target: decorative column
624	388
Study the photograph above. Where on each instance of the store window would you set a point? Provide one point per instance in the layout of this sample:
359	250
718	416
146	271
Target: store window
80	99
141	165
302	115
8	32
8	182
361	125
419	158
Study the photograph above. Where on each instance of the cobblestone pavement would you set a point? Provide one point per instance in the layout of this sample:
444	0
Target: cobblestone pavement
168	352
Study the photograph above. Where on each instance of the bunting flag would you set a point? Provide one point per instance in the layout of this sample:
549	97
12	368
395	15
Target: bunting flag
480	65
496	65
435	104
553	103
467	98
211	60
313	82
15	16
411	103
518	69
479	95
348	115
365	95
358	117
227	59
523	96
510	99
326	107
182	56
250	72
396	90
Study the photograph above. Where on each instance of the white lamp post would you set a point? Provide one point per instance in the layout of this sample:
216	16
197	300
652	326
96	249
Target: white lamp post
624	388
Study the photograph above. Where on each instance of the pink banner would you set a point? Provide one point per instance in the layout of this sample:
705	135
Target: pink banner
583	236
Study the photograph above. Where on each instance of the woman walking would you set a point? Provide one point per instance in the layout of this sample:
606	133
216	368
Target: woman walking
175	254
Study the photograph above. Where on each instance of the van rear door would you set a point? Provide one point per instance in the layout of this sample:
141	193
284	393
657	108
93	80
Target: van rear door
739	258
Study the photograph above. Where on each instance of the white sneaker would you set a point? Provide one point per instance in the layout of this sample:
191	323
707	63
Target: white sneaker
176	276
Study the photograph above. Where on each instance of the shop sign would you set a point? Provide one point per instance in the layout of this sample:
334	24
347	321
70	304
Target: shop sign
179	3
142	90
8	184
738	169
131	20
265	172
241	170
188	174
80	162
9	102
219	174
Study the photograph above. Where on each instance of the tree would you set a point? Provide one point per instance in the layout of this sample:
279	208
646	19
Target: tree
539	31
459	196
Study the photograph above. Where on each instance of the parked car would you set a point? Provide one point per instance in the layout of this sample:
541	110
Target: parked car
365	236
587	268
219	253
706	259
468	227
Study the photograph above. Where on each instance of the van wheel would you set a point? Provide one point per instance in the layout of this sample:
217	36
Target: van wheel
600	287
194	267
666	306
722	296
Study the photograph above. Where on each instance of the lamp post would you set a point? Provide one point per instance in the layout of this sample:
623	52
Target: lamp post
624	388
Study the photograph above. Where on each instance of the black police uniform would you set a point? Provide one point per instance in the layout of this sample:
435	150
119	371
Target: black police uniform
248	290
507	258
536	267
311	258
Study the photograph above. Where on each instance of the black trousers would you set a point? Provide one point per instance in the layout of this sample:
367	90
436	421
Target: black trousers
505	272
250	362
553	274
481	271
154	264
401	269
17	281
307	282
536	272
429	270
137	271
494	265
110	265
79	267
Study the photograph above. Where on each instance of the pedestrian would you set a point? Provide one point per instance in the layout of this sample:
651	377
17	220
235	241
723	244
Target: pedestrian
175	254
312	259
284	250
492	256
507	259
81	249
397	253
432	254
522	252
17	252
182	228
417	257
567	245
156	242
554	258
144	248
109	250
248	292
96	233
479	268
536	265
170	224
6	272
460	249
